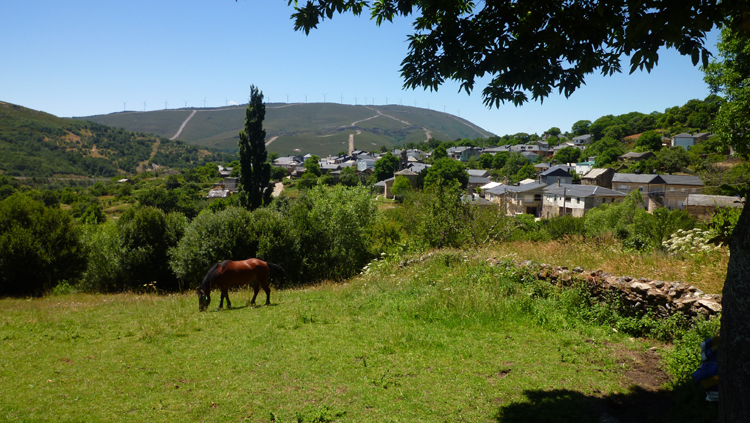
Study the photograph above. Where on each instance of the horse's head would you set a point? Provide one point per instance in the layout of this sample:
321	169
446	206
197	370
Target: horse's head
204	299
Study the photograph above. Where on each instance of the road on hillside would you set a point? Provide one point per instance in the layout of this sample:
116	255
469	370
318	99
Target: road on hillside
179	131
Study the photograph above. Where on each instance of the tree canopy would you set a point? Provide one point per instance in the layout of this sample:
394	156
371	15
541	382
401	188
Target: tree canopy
530	48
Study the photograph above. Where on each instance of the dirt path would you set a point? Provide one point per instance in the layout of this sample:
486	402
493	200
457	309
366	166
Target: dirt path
355	123
271	140
179	131
351	141
277	189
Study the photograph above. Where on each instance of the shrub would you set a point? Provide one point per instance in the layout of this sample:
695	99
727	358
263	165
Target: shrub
561	226
210	238
39	247
104	250
147	236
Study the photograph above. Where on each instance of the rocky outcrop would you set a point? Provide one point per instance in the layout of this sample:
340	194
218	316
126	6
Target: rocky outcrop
639	296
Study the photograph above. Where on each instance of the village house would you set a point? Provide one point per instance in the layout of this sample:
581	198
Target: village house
686	140
703	206
601	177
495	193
526	198
583	140
669	191
556	174
576	200
583	168
632	156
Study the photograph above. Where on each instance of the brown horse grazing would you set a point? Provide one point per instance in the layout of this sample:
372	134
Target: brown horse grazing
229	273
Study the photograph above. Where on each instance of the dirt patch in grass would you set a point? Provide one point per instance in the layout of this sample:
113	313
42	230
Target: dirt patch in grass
643	369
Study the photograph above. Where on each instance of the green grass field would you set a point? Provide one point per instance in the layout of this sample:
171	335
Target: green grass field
445	340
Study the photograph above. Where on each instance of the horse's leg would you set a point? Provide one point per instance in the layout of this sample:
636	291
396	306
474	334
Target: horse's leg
268	291
256	289
223	294
229	305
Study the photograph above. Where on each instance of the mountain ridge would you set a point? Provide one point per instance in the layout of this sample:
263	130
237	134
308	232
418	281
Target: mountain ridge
319	128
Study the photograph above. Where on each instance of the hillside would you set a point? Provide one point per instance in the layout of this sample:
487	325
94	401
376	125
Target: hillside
320	128
35	143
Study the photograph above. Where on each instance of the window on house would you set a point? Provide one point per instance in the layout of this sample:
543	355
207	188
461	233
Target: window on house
640	189
682	190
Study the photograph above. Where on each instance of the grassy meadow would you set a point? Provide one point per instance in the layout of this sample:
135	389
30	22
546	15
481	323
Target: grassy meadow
452	338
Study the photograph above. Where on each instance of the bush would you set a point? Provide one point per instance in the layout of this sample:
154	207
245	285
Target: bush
104	250
561	226
210	238
39	247
147	236
332	226
325	233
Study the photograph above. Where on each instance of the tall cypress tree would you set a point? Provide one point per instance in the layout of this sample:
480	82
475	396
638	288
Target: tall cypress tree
255	173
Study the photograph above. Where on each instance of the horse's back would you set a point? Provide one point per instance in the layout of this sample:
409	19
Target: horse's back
244	271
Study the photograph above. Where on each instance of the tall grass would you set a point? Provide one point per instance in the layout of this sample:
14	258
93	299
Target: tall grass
706	271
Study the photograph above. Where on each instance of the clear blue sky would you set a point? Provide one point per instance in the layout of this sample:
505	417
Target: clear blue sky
81	58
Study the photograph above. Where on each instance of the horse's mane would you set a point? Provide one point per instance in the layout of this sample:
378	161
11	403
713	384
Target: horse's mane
212	273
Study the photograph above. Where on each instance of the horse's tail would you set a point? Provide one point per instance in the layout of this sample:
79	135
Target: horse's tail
279	269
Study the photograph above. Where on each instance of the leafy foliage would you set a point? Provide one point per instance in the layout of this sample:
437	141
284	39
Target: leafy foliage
39	246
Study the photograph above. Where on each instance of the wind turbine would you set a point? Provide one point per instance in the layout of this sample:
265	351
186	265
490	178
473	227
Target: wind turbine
185	103
287	99
226	100
342	98
401	101
144	105
123	105
386	101
355	100
204	102
324	97
165	105
305	97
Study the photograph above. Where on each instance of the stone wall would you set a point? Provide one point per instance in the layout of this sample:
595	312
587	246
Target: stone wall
638	295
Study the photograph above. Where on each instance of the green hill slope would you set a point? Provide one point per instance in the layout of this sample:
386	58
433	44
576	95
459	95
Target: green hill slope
320	128
34	143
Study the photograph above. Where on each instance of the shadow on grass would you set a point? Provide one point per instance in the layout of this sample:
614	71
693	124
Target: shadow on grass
683	403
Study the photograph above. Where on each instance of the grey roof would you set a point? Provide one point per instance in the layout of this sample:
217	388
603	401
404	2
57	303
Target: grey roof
418	167
405	172
541	165
478	180
559	170
498	190
477	172
526	187
657	179
714	200
582	191
634	155
682	180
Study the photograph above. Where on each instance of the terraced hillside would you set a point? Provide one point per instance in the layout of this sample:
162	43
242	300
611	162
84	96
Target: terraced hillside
34	143
321	128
